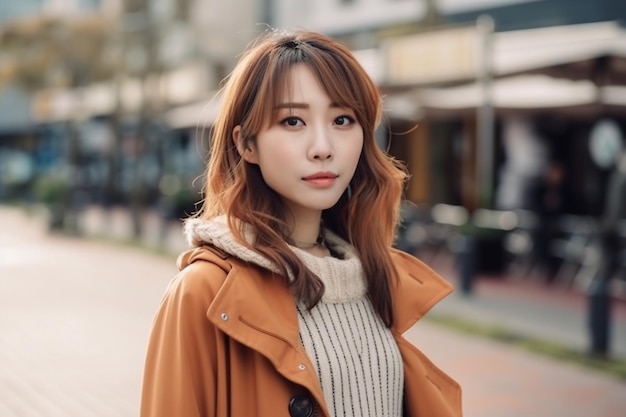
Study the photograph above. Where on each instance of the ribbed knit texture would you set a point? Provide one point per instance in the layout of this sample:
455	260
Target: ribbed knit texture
356	358
358	363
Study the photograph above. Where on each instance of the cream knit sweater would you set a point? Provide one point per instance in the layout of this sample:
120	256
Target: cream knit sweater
357	361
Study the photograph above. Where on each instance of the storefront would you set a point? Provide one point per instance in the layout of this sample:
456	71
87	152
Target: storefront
545	92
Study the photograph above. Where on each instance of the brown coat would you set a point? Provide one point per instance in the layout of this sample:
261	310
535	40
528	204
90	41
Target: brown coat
225	344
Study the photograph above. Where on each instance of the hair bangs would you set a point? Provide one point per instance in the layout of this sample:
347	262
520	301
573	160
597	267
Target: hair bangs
337	71
273	87
345	86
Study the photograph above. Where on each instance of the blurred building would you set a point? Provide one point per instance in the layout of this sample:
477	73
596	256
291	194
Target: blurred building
122	110
494	103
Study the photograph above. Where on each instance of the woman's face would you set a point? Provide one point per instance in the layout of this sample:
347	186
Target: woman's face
309	152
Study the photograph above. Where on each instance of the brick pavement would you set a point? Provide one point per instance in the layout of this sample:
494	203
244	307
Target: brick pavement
75	316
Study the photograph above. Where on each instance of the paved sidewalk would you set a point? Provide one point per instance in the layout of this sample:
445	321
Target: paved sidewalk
75	316
531	308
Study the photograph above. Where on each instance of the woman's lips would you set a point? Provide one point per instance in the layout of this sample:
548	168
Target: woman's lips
321	179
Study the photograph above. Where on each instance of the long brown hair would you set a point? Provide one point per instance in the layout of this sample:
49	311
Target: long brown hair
367	219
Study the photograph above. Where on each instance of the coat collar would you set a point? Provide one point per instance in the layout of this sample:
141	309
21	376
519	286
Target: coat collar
260	299
417	290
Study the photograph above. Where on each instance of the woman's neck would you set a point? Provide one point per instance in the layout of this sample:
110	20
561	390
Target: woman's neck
307	234
305	229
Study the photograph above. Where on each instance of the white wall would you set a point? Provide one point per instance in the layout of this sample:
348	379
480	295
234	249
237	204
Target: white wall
335	17
460	6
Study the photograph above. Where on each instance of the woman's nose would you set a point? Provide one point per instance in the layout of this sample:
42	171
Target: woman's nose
321	146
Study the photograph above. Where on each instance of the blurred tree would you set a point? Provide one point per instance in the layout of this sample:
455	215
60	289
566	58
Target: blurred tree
143	33
45	52
50	52
182	9
139	38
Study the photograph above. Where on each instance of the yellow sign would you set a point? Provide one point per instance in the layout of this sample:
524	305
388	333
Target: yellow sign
434	57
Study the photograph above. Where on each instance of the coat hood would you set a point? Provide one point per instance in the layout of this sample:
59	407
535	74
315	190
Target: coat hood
216	232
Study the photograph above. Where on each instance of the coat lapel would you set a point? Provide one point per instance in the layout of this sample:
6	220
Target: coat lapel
418	289
256	308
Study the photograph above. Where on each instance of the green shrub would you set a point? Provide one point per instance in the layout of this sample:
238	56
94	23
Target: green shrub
51	189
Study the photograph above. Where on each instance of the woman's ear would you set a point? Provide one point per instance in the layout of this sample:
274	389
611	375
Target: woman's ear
244	149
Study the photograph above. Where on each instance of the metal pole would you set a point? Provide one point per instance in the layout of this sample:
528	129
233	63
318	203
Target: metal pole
485	114
599	293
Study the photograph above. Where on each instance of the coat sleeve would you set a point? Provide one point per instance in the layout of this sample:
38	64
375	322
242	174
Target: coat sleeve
180	373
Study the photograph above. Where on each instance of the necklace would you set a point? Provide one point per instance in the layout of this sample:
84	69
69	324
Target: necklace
320	241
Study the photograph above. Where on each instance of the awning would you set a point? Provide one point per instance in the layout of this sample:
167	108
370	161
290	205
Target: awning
199	114
571	51
523	92
182	85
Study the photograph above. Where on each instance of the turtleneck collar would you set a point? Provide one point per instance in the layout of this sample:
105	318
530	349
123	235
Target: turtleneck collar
342	276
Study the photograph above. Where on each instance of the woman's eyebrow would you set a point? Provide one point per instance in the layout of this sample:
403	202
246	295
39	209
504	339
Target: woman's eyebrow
291	105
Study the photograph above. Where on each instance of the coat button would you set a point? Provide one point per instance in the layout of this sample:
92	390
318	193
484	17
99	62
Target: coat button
301	405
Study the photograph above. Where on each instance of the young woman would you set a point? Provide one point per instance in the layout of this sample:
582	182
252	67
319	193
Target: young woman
292	301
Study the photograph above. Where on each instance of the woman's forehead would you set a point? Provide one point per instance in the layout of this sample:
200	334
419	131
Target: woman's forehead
301	82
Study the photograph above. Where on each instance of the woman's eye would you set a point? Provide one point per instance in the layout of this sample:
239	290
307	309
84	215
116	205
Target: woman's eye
292	121
344	120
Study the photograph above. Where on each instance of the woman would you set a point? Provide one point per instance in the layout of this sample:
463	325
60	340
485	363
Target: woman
292	302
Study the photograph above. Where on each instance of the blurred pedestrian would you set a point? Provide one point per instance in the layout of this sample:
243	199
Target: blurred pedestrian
293	302
549	205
